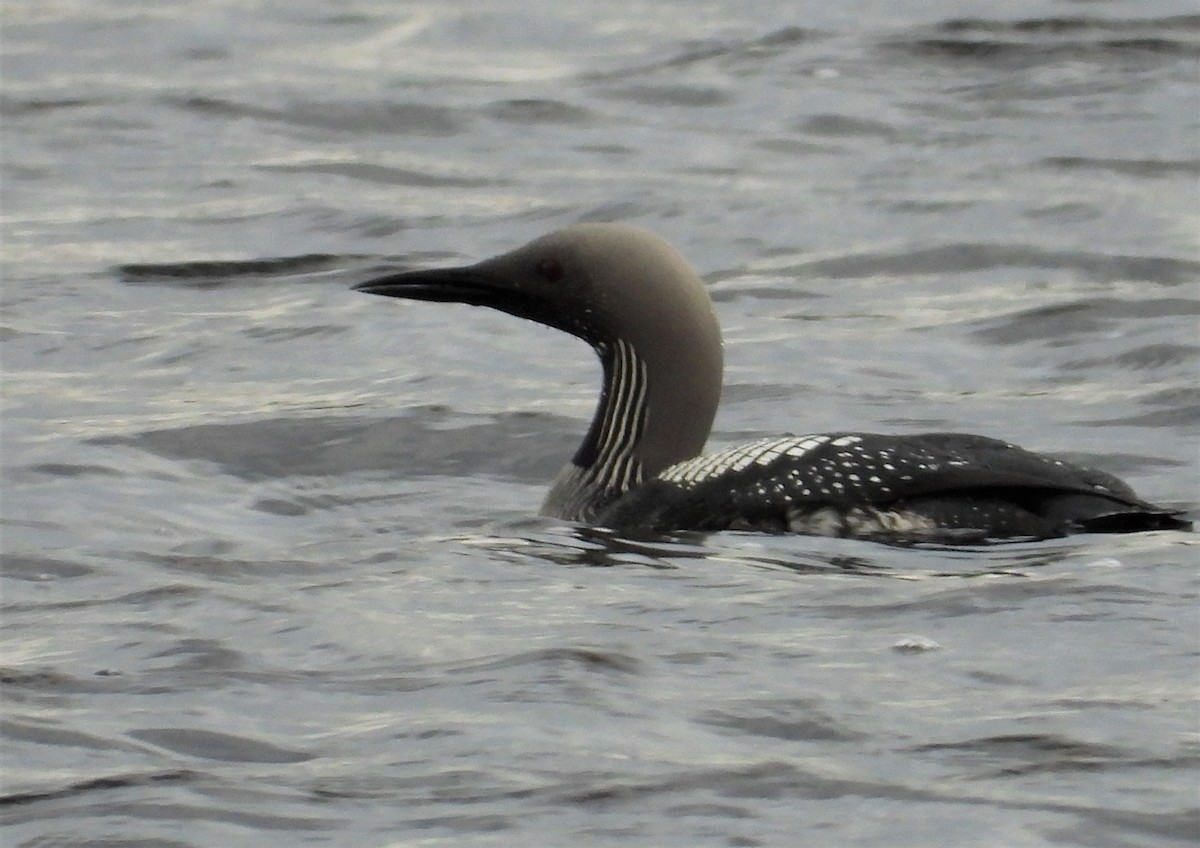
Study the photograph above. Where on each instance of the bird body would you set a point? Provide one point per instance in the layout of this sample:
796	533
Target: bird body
646	313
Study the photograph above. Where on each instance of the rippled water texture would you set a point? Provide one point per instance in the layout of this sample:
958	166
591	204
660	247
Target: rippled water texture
271	569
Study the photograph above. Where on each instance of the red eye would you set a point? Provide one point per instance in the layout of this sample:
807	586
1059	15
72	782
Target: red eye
551	270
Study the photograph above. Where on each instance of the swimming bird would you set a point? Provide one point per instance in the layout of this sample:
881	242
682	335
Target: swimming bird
645	311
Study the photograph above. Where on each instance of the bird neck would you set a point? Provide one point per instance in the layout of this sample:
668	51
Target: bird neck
610	449
647	418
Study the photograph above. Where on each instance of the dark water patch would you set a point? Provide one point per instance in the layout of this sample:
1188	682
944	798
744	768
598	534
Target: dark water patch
765	780
385	175
966	257
718	51
605	792
428	440
369	226
930	207
97	784
1175	417
55	689
464	823
1059	25
64	469
380	681
798	147
134	842
1154	168
765	286
539	111
1144	358
228	569
42	680
205	54
277	506
288	334
348	116
588	659
44	734
317	268
786	720
1066	212
715	811
349	19
39	568
146	597
612	150
846	126
211	745
213	274
185	818
680	94
1032	42
1029	754
782	39
302	505
914	643
201	655
1055	325
770	44
613	210
1105	825
788	783
1181	396
13	107
458	784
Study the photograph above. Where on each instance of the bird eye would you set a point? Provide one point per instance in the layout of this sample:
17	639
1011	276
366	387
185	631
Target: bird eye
551	270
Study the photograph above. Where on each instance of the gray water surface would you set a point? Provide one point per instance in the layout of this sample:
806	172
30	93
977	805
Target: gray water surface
272	573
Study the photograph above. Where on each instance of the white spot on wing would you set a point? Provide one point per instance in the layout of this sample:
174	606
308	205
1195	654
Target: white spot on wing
763	453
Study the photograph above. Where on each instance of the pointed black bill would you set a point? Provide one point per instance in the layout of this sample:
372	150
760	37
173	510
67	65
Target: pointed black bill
445	285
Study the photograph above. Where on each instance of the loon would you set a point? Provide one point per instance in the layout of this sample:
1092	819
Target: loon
646	313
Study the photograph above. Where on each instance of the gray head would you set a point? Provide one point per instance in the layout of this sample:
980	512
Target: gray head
621	289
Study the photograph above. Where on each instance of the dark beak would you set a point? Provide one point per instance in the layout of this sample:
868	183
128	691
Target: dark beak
447	285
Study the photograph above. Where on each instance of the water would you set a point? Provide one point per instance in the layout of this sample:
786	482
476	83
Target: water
272	573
